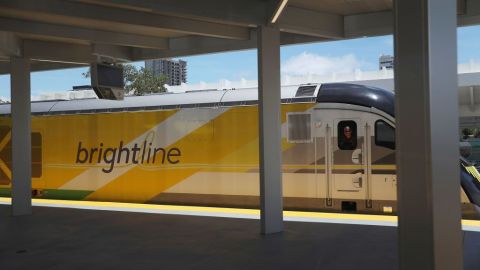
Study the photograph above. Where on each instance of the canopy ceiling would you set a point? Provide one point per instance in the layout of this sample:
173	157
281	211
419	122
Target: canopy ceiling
66	33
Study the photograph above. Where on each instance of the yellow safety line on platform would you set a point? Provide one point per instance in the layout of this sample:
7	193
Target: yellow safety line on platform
193	209
468	222
126	206
339	216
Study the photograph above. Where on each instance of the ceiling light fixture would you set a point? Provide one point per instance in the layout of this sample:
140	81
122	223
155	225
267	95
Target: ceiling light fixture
279	10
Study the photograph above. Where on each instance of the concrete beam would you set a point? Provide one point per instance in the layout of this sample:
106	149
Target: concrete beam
97	16
312	23
118	53
244	12
471	13
369	24
290	38
239	12
65	55
73	53
186	46
461	7
252	12
40	66
79	33
381	23
191	45
58	52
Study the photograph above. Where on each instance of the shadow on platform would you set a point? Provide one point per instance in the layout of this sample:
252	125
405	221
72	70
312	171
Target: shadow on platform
59	238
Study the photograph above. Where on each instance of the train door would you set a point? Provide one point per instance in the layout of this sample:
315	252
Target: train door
321	169
323	134
348	164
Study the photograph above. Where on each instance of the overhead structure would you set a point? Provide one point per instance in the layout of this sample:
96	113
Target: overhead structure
52	34
68	33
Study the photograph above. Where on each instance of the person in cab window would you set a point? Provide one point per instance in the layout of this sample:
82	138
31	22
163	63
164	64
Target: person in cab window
348	142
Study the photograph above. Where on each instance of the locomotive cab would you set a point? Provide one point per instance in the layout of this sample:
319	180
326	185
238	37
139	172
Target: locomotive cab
352	132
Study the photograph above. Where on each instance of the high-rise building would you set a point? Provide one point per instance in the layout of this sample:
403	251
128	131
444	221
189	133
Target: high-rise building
175	70
385	62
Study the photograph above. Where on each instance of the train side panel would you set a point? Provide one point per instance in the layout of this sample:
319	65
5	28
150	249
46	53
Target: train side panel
202	156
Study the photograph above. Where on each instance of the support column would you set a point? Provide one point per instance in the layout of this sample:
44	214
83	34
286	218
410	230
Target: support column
21	137
271	206
427	135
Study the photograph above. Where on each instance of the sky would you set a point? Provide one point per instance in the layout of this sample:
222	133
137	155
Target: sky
296	60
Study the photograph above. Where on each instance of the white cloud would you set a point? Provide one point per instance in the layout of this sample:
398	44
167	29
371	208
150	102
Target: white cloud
310	63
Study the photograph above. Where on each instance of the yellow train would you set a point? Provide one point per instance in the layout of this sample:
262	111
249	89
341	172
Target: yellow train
201	148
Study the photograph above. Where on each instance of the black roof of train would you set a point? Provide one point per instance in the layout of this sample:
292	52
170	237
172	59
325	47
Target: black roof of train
357	94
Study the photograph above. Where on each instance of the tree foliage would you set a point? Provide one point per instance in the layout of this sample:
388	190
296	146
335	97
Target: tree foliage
141	81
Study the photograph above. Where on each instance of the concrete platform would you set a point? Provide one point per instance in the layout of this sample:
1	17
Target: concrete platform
65	238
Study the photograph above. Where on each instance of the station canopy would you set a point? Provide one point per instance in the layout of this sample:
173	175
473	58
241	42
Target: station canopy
57	34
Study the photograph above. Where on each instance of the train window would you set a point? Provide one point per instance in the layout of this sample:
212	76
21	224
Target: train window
384	134
299	127
347	135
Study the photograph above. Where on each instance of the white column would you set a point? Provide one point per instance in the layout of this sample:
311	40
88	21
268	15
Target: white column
21	137
427	135
271	205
